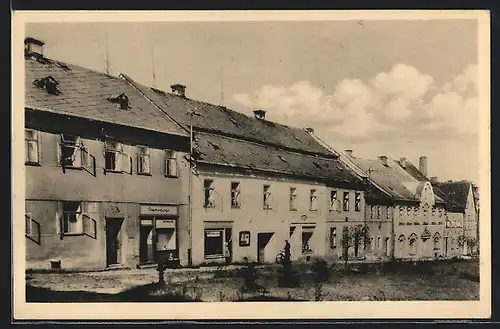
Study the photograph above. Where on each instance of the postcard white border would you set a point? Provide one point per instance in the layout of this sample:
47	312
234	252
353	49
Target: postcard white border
254	310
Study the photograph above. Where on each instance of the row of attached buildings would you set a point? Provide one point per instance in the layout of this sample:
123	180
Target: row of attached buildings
119	174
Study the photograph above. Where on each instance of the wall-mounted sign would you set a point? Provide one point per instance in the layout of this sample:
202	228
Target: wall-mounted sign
213	234
159	210
165	223
244	238
147	222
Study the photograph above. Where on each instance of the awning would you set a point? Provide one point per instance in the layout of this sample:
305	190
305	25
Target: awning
220	224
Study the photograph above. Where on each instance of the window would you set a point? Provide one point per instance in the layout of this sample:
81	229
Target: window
415	211
433	211
333	238
293	199
372	211
208	188
412	245
29	224
334	202
235	195
346	201
436	241
143	160
378	242
115	159
71	222
72	155
313	204
425	209
31	146
267	196
401	210
387	212
214	243
306	237
408	211
379	210
357	201
171	167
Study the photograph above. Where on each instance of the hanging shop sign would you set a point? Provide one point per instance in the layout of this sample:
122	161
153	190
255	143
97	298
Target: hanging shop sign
159	210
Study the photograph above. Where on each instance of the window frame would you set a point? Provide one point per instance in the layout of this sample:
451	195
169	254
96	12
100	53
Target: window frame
346	201
334	201
78	148
222	238
143	152
333	238
27	142
208	193
235	193
119	158
357	201
293	198
266	193
313	200
170	160
64	221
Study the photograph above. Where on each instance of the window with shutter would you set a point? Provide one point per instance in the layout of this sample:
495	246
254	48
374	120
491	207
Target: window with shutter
171	164
267	196
235	195
334	202
208	188
313	200
293	198
143	160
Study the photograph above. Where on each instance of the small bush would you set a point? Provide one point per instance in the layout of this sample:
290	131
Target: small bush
288	276
320	271
250	275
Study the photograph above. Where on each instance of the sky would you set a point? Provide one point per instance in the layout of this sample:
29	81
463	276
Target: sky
398	88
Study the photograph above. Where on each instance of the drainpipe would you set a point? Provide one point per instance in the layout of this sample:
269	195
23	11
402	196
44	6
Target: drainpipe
393	233
190	188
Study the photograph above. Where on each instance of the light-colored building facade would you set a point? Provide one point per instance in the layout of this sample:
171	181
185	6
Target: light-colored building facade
258	184
106	183
406	219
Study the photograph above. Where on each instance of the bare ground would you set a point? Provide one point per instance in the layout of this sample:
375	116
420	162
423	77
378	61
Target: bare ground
442	281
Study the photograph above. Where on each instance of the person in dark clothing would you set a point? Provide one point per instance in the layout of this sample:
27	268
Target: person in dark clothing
287	257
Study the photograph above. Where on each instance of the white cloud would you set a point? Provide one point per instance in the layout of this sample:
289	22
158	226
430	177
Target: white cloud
390	101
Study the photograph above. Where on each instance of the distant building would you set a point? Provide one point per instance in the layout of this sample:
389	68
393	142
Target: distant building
106	178
258	183
405	217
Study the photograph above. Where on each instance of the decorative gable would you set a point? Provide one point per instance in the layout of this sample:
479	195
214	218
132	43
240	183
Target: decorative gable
48	84
427	195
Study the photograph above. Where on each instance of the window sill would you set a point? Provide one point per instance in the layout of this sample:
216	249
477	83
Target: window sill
235	207
268	208
313	210
113	171
209	207
214	256
73	234
144	174
293	209
170	176
33	164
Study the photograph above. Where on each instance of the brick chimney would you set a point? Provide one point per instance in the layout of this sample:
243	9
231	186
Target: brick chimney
434	180
33	46
260	114
179	90
348	152
422	165
403	162
309	130
383	159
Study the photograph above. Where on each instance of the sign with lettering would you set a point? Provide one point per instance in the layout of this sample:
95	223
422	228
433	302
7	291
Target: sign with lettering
147	222
159	210
165	223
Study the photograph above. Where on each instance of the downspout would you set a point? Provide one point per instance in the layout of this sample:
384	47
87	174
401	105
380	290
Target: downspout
190	188
393	232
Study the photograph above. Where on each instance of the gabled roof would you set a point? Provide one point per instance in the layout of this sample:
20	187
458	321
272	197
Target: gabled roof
84	93
393	179
223	121
233	152
455	193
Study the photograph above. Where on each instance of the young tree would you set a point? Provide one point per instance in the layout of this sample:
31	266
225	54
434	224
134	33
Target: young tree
353	236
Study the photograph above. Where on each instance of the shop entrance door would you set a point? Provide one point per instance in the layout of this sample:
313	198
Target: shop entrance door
262	241
113	226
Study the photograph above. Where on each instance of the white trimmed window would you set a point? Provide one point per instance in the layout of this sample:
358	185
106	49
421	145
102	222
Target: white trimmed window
313	200
31	146
235	195
208	192
171	164
267	197
143	160
334	201
115	159
293	198
346	201
357	201
72	154
71	219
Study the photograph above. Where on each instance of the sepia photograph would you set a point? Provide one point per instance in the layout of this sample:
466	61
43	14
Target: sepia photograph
194	160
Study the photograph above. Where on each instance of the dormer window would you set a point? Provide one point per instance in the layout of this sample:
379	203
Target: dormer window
48	84
121	101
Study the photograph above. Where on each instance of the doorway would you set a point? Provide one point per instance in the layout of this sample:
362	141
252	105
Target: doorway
113	227
262	241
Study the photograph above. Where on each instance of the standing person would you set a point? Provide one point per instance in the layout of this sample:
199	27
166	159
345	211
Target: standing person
227	252
287	258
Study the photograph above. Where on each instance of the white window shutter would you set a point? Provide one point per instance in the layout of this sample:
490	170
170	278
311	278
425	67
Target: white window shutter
59	156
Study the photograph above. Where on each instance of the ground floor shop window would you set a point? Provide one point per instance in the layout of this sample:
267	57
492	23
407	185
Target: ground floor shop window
214	243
